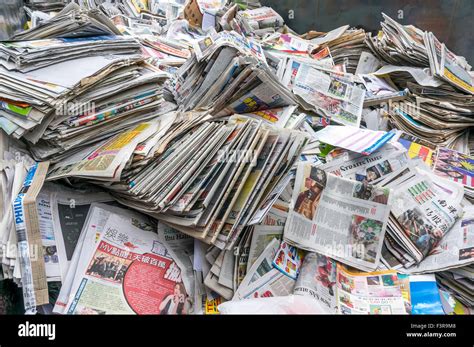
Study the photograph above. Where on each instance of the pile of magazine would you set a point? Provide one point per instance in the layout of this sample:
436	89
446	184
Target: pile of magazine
200	157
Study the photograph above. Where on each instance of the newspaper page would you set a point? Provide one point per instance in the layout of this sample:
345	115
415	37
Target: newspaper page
209	44
95	221
30	248
335	95
317	279
338	217
380	165
424	213
455	249
369	293
418	148
273	283
259	18
48	239
288	260
455	166
129	272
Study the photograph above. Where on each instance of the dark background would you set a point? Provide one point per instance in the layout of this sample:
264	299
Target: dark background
452	21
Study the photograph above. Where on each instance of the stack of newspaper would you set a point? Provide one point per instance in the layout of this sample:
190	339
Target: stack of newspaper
72	21
259	21
25	56
459	281
214	178
441	85
227	74
46	5
410	46
65	106
344	44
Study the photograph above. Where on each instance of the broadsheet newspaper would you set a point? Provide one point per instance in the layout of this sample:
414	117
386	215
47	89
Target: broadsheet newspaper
127	271
338	217
208	45
261	237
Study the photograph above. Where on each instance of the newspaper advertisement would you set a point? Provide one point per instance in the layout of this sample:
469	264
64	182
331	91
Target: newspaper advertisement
369	293
338	217
317	279
130	272
288	260
455	166
338	97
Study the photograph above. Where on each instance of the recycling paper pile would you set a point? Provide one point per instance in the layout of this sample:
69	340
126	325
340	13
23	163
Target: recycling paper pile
161	157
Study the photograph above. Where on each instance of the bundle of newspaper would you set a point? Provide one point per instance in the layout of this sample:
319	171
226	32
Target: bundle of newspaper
424	232
441	84
459	282
259	21
408	45
227	74
14	164
72	21
82	236
344	44
46	5
66	106
337	96
25	56
208	191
